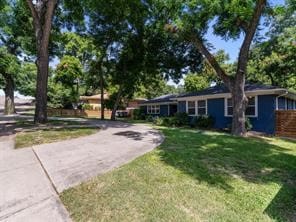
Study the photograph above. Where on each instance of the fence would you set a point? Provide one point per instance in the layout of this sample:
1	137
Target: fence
286	123
77	113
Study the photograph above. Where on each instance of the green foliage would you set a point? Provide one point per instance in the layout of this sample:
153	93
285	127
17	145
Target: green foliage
68	71
194	82
180	119
60	96
26	79
87	106
109	103
204	121
248	124
156	87
138	114
149	118
273	61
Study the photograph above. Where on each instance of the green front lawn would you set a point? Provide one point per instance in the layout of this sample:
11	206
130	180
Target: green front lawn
195	176
37	137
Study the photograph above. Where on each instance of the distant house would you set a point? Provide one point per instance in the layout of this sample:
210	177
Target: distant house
130	105
165	105
94	101
216	102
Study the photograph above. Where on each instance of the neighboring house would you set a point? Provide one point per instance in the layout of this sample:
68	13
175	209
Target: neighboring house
165	105
216	102
131	105
94	101
135	103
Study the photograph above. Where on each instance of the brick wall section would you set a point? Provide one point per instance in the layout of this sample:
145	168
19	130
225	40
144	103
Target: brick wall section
286	123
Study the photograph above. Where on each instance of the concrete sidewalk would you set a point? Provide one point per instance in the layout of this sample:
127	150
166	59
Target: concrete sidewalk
26	194
31	178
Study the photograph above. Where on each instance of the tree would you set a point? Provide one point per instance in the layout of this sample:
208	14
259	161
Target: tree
156	87
26	79
273	60
42	13
230	19
14	35
194	82
8	67
68	73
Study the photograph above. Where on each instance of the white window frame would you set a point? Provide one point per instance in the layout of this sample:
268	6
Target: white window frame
226	107
153	109
187	108
196	107
206	106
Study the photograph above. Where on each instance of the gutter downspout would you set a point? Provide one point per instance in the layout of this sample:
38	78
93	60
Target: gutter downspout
276	99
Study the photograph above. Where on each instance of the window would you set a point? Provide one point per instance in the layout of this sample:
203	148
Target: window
251	109
229	107
191	107
201	107
153	109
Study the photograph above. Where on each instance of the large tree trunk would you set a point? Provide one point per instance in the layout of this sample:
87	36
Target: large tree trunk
42	13
239	101
113	114
102	96
9	96
41	87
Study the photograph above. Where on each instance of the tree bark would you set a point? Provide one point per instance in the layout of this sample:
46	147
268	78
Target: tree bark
102	96
113	114
239	101
42	13
9	95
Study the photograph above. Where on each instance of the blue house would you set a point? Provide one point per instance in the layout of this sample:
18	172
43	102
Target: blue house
165	105
216	101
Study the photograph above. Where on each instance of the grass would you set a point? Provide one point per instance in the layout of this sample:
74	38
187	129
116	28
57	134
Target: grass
36	137
195	176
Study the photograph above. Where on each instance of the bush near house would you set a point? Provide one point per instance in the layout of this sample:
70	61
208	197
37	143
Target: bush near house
204	121
138	114
182	119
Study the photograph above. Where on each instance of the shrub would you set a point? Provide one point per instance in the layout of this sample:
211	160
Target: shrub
158	121
180	119
167	121
138	114
205	121
149	118
87	106
248	124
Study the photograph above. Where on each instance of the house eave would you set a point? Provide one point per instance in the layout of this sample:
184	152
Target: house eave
225	95
159	103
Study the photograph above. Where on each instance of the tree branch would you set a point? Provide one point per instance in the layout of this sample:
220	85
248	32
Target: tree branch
250	32
211	59
33	10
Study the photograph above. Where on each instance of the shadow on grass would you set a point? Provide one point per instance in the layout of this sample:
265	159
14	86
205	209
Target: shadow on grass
219	158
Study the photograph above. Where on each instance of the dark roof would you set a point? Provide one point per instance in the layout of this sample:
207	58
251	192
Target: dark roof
218	89
161	99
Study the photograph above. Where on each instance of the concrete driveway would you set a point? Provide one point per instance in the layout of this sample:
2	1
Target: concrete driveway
32	178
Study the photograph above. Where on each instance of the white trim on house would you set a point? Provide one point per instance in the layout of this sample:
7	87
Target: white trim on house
206	106
155	108
187	108
226	107
160	103
223	95
196	107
